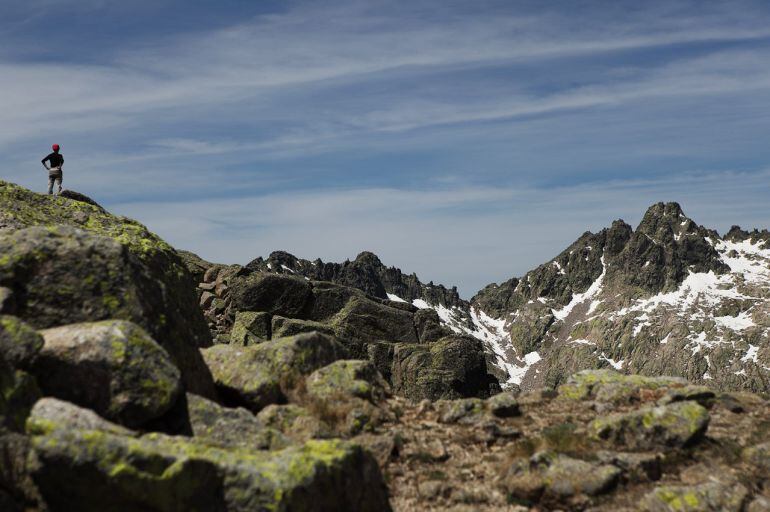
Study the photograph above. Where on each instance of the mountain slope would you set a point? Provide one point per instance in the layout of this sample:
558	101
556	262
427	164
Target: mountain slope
670	297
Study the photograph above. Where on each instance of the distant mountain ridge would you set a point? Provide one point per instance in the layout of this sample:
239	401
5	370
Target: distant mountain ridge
669	297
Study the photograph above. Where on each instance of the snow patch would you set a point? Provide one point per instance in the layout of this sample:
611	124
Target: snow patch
752	354
395	298
618	365
736	323
579	298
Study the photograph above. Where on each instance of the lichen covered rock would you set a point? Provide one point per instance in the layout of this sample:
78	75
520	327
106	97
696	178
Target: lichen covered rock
250	328
452	367
708	497
294	421
264	374
231	427
90	470
554	478
347	378
106	268
112	367
675	425
611	386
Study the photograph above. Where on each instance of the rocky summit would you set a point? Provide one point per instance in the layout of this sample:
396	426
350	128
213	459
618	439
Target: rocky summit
629	373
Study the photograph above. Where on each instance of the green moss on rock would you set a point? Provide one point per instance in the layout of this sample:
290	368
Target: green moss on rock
263	374
116	268
674	425
112	367
91	470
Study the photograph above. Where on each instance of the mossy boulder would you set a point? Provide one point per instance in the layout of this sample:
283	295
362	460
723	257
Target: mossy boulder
707	497
89	470
452	367
673	426
231	427
273	293
345	379
112	367
19	343
552	478
614	387
108	268
363	321
250	328
264	374
346	395
62	414
294	421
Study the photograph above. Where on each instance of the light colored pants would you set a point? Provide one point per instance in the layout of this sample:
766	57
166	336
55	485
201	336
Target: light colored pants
55	175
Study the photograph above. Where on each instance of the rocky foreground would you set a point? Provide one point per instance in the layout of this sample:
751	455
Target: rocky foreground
136	378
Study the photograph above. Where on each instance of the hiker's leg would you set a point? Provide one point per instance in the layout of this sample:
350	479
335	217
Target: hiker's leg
50	185
58	184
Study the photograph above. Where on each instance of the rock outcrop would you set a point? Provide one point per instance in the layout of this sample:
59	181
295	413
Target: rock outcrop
69	261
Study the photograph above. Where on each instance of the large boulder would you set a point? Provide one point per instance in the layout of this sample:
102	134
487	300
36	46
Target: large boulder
112	367
294	421
273	293
346	394
53	411
669	426
345	379
260	375
230	427
250	328
556	478
363	321
614	387
61	275
94	470
452	367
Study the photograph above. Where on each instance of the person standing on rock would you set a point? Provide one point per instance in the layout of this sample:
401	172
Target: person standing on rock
55	163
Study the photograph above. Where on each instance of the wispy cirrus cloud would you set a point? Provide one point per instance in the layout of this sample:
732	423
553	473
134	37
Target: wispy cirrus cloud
249	127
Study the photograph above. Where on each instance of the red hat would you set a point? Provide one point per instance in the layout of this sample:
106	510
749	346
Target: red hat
55	147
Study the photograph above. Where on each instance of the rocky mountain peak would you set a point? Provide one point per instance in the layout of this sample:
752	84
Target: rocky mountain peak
665	247
368	258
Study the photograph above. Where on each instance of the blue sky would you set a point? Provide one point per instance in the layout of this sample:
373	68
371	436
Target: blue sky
464	141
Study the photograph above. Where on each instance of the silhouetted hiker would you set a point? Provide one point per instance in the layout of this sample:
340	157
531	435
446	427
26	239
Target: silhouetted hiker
54	171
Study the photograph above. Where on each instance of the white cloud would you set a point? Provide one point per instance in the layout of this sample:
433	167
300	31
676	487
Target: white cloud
467	236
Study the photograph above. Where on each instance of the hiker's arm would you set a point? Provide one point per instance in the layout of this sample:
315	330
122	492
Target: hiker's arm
43	161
